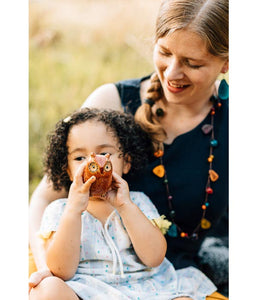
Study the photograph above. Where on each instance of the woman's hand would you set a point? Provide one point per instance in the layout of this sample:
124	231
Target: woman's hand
36	277
118	196
79	191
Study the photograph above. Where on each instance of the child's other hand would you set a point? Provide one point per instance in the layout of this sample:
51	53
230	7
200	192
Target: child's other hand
79	191
37	277
119	193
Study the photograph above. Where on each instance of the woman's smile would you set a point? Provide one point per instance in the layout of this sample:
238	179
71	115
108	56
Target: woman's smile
175	87
187	71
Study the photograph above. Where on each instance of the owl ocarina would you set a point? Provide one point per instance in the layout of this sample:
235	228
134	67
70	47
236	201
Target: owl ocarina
99	166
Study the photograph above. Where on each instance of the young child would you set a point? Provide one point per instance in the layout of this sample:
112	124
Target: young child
106	248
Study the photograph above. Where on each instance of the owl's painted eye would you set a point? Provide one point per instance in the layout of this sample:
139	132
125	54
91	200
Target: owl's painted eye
93	167
107	167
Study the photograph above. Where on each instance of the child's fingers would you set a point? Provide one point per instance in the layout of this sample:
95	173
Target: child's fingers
117	181
88	183
116	177
78	178
37	277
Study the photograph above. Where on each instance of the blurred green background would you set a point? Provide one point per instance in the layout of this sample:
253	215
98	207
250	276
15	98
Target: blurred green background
74	47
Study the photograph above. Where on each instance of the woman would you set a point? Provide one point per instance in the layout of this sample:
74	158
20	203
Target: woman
188	123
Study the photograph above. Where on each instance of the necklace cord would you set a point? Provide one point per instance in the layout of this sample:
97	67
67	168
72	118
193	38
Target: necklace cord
175	229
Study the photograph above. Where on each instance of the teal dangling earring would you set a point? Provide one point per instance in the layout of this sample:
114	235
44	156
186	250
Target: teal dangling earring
223	90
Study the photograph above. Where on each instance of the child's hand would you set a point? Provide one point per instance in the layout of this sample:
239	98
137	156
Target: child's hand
36	277
79	191
119	193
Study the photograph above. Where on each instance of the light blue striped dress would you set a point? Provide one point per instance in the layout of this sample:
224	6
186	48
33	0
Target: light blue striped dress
109	267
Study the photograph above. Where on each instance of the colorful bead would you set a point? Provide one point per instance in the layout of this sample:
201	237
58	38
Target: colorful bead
207	128
207	204
213	175
205	224
170	197
214	143
219	104
172	214
203	207
223	90
210	158
159	171
158	153
194	236
183	234
173	232
213	111
209	190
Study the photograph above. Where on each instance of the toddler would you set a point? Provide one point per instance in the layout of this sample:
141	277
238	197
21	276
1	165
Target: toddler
108	246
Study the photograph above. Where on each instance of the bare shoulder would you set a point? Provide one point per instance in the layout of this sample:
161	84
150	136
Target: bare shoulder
105	96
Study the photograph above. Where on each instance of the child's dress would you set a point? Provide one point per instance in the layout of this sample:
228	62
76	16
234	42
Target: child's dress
109	267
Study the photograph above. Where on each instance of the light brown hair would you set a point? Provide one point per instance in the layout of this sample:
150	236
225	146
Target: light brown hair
208	19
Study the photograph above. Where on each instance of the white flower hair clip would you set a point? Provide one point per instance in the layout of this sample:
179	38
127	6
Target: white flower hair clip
67	119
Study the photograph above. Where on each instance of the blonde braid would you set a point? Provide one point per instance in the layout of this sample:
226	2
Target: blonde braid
154	92
145	117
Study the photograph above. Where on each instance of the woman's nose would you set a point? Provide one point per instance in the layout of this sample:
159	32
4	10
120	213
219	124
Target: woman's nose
174	70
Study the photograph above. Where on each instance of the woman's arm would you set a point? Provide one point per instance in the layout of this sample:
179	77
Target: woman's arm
148	241
105	96
42	196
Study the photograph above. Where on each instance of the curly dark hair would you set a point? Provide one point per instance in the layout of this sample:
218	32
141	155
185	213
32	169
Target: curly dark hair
134	142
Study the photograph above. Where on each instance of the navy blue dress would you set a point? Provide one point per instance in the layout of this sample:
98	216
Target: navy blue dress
187	168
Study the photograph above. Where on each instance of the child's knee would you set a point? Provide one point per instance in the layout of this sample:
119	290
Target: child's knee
48	288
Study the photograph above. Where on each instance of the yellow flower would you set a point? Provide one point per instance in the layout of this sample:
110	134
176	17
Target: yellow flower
162	223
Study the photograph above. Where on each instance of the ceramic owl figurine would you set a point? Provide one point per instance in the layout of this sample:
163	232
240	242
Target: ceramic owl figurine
99	166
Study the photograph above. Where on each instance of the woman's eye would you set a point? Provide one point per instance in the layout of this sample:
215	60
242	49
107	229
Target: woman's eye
79	158
164	53
192	65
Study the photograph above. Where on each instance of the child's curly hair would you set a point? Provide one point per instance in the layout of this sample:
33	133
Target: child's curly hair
134	142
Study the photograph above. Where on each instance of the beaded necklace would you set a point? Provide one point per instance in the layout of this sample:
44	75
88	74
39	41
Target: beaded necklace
207	129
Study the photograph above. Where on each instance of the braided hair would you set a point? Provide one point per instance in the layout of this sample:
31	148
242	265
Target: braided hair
146	119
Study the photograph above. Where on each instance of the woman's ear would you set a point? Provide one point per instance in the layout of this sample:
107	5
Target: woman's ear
225	67
126	164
